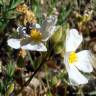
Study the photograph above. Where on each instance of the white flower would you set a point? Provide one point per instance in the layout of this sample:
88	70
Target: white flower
38	34
76	62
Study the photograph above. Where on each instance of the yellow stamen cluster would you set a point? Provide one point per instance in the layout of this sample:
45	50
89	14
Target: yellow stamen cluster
28	15
72	57
36	35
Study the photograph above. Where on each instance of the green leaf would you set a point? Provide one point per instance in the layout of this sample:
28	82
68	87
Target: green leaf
3	24
10	89
1	3
15	3
49	93
64	14
1	86
20	62
11	14
32	62
10	69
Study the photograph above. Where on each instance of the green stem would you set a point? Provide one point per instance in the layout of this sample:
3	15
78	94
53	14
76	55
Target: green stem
31	77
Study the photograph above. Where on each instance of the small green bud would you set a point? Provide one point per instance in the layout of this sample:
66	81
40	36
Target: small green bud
57	35
59	48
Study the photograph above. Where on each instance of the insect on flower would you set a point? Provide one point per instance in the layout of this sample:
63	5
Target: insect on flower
37	34
76	62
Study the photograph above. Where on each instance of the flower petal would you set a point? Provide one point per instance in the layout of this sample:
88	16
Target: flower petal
52	30
84	61
48	27
34	25
34	47
73	40
25	41
14	43
93	60
75	77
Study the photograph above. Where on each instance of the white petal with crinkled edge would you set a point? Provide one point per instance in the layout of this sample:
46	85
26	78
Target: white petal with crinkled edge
48	27
75	77
73	40
84	61
48	34
34	47
14	43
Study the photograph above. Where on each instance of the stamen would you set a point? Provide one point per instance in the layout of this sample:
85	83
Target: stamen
72	57
36	35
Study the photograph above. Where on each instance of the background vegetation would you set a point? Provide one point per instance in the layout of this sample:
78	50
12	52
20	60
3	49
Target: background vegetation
45	72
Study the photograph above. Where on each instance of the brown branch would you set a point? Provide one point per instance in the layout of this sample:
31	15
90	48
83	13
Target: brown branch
31	77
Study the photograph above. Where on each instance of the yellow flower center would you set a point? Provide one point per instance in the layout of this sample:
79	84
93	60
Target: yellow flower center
36	35
72	57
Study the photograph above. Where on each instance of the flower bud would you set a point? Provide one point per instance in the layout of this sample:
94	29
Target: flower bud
59	48
57	35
